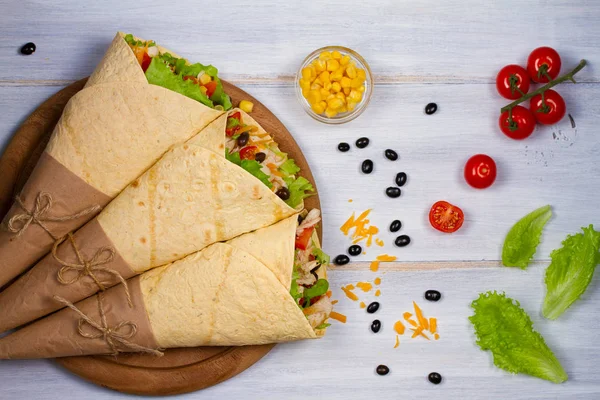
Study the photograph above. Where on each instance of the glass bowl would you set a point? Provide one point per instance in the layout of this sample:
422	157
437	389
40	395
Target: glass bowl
345	116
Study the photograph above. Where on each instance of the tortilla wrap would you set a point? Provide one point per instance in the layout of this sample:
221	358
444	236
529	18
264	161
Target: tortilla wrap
191	198
221	295
108	135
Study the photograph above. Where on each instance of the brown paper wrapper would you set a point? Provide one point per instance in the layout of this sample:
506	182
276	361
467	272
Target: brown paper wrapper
70	196
58	334
32	295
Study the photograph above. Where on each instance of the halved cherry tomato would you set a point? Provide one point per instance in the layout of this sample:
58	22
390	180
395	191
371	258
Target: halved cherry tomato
248	152
480	171
145	61
231	131
210	88
521	126
551	110
543	64
303	240
445	217
512	82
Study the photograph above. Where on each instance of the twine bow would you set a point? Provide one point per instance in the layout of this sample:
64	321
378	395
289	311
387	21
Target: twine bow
90	268
113	336
19	223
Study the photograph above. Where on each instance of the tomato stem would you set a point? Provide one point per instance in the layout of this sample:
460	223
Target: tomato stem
560	79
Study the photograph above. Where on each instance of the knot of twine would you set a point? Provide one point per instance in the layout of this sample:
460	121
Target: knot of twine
19	223
90	267
113	336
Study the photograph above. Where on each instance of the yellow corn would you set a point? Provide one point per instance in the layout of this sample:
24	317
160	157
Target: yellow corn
330	113
345	60
315	86
342	109
335	103
336	55
318	82
308	72
337	76
351	105
332	65
347	91
304	83
324	93
203	89
330	96
204	79
336	87
361	88
325	55
351	71
323	104
327	85
246	106
314	97
318	108
346	82
305	92
320	66
341	96
361	73
355	95
324	76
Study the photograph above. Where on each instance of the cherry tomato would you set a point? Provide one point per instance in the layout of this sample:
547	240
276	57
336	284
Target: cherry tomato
521	126
303	240
210	88
552	111
543	64
445	217
248	152
480	171
512	82
146	61
231	131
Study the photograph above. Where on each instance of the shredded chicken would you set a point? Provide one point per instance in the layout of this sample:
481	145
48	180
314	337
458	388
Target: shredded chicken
319	312
312	218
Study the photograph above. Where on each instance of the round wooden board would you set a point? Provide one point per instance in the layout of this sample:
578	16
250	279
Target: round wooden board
179	370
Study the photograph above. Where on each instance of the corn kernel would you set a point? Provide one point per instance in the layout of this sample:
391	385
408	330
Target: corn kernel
323	104
203	89
351	71
304	84
324	76
324	93
336	87
336	55
325	55
345	60
307	72
330	96
314	97
327	85
355	95
356	82
337	76
361	73
335	103
341	96
318	108
318	82
315	86
246	106
305	92
330	113
343	109
361	88
205	78
332	65
346	82
319	65
351	105
347	91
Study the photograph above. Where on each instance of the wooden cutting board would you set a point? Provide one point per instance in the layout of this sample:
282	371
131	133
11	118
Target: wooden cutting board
179	370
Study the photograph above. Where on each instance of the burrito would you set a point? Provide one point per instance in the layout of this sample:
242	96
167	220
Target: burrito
109	134
228	294
191	198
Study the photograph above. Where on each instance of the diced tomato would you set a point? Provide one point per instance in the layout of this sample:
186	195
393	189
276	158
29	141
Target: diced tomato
315	299
210	88
191	78
248	152
312	257
145	61
231	131
303	240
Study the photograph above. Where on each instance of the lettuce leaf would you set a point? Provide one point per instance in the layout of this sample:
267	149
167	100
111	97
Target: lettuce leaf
294	288
523	238
318	289
321	257
323	325
159	73
300	188
502	327
254	168
233	157
289	167
570	271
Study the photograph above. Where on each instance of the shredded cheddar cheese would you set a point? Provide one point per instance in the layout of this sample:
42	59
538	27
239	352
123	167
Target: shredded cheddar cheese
377	293
377	281
374	266
338	317
386	258
399	327
364	286
433	325
362	229
349	200
397	341
334	302
379	242
348	291
422	320
362	304
436	336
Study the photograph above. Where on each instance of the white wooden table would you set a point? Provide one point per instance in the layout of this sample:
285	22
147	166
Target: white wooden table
442	51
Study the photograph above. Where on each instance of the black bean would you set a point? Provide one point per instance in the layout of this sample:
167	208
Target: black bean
367	166
430	108
401	178
283	193
402	240
382	370
362	142
343	147
433	295
393	192
342	259
373	307
28	48
395	225
435	378
391	155
242	140
354	250
260	157
376	326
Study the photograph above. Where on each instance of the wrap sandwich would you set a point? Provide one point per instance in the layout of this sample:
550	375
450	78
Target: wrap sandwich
191	198
110	132
252	290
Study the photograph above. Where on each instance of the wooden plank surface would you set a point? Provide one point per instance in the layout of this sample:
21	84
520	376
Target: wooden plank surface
447	52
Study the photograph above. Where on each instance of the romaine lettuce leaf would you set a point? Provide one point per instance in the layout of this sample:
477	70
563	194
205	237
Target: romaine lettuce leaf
505	329
289	167
294	288
323	325
254	168
318	289
233	157
570	271
300	188
523	238
321	257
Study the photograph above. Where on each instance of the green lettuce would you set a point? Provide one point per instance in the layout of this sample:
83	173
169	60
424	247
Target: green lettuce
323	325
295	288
523	238
321	257
505	329
570	271
289	168
233	157
254	168
300	188
318	289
